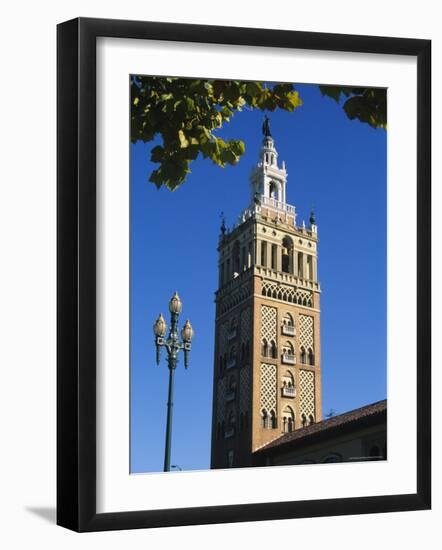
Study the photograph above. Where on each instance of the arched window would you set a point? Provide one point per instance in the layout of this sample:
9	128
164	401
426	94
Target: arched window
288	354
264	253
311	420
264	348
288	348
288	380
272	419
228	273
311	357
309	267
288	324
274	255
287	320
303	356
288	420
303	420
300	266
273	190
273	350
287	255
232	354
264	419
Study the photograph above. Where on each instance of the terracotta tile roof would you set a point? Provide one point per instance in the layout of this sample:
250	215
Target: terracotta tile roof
351	419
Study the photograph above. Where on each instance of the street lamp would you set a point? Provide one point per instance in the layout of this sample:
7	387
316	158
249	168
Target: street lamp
173	346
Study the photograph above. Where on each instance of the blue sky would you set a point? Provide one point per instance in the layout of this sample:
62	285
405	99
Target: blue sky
334	164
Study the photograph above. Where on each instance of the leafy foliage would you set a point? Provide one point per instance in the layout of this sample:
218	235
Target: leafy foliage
365	104
187	113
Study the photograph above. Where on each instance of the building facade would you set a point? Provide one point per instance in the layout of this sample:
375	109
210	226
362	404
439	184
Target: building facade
355	436
267	367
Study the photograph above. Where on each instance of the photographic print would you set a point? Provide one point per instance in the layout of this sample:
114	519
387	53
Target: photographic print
239	275
258	255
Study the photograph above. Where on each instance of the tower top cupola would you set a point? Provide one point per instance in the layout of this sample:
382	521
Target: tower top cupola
268	179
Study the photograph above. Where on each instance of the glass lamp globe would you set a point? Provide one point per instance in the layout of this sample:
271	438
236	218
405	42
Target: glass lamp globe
175	304
160	326
187	332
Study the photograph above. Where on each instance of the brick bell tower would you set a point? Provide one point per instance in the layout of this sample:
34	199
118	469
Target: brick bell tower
267	369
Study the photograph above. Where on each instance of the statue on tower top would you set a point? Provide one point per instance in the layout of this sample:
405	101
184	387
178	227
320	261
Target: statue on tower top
266	127
223	227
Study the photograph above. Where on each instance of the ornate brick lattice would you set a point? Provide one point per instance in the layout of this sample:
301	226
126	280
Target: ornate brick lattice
268	387
304	297
245	327
244	389
289	294
268	323
220	399
306	338
307	392
235	297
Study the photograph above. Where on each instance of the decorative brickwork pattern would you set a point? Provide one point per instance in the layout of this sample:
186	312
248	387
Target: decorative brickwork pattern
268	387
246	325
289	294
235	297
307	393
304	297
244	389
268	323
306	338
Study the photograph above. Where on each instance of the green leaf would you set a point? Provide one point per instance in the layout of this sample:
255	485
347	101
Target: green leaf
156	154
331	91
183	141
185	113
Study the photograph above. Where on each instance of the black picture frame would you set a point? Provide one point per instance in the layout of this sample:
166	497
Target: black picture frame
76	274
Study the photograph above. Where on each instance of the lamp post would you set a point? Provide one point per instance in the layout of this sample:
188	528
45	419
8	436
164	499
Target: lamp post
173	346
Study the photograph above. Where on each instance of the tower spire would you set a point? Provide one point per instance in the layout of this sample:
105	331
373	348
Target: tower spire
268	179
